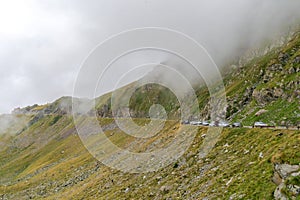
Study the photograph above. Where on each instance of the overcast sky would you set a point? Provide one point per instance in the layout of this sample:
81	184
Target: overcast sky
43	43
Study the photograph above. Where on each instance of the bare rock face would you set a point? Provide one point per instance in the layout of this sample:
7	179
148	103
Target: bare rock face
281	174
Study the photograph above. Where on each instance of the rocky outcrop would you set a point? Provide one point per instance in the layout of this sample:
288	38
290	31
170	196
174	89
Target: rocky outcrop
104	111
296	60
275	67
61	106
286	189
263	96
283	57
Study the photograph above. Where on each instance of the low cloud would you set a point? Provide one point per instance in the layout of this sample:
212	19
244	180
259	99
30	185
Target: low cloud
43	43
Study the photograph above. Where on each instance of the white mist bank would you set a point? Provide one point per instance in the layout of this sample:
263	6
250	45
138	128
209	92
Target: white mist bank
43	43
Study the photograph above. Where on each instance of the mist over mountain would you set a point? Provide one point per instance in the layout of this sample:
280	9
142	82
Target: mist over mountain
44	43
150	99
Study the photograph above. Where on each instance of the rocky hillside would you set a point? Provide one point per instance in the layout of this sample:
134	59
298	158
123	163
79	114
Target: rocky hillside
267	88
41	155
48	160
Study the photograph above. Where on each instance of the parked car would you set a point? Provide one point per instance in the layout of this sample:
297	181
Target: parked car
205	123
197	123
237	124
260	124
185	122
212	123
223	124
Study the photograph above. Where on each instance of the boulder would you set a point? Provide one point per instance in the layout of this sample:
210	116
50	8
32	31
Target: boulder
276	178
260	112
292	70
296	60
278	92
283	57
278	195
285	170
282	173
294	189
165	188
275	67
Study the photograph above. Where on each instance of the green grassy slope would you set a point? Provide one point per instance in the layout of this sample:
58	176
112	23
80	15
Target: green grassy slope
63	169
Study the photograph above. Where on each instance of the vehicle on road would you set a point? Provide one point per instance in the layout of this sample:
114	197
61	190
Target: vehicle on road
223	124
197	123
205	123
185	122
262	125
213	123
236	124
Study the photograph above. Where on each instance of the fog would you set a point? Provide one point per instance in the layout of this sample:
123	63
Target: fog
12	124
44	43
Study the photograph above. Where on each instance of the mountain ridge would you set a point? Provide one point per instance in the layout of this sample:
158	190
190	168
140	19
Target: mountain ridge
43	157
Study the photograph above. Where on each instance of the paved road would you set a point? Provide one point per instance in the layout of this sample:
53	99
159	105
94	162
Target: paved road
275	128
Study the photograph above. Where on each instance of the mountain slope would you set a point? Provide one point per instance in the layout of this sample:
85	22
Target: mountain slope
63	168
41	155
270	83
